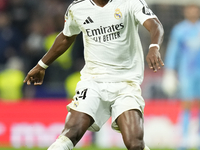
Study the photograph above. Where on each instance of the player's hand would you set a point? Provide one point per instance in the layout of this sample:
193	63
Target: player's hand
154	60
35	76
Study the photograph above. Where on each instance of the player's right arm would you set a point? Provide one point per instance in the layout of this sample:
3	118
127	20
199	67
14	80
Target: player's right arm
156	31
60	45
144	15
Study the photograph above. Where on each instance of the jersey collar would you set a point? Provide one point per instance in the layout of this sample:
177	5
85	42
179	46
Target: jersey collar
93	3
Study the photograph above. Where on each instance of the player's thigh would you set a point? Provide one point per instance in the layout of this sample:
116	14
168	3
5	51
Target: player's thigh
131	126
129	98
76	125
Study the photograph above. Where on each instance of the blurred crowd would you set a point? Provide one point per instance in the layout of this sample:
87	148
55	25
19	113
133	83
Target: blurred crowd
28	29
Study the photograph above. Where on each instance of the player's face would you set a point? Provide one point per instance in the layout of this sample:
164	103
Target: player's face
192	13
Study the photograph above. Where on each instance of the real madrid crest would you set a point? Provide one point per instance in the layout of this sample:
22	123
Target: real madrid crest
118	14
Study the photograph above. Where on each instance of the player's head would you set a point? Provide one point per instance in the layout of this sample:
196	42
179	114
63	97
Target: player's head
192	12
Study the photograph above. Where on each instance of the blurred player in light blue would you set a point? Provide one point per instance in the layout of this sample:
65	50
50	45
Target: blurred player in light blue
183	62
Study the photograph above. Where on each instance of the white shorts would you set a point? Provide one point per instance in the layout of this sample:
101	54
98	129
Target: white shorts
102	100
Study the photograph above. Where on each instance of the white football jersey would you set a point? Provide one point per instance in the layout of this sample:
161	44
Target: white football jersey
112	47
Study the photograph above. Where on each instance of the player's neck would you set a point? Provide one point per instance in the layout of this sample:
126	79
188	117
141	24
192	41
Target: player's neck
101	3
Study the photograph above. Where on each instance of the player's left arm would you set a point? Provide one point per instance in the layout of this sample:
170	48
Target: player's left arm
156	31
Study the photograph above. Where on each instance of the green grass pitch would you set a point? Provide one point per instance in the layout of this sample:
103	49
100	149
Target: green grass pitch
84	148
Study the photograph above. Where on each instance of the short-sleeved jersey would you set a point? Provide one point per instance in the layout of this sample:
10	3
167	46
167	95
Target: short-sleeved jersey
112	47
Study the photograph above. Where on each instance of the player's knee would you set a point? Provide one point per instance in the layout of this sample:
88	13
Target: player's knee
135	145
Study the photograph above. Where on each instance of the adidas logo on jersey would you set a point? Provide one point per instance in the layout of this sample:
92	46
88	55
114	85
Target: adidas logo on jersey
88	20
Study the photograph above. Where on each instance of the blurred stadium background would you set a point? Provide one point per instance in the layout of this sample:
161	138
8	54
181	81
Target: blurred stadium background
34	116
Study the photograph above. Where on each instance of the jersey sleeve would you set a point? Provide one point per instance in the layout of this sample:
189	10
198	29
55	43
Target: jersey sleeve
141	11
70	27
